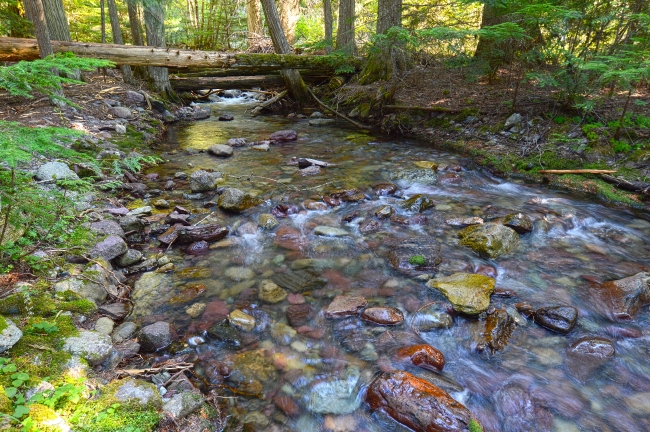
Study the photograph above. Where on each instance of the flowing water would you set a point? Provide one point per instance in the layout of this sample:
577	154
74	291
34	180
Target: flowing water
312	376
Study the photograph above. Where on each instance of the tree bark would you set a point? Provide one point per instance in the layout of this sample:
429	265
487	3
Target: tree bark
16	49
292	77
57	23
240	82
154	21
254	19
345	34
127	75
389	14
136	34
327	12
103	20
289	13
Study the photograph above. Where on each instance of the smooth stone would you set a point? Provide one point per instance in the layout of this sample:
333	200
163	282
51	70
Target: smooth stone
344	306
383	315
284	135
519	222
489	240
235	201
202	181
92	346
183	404
140	211
621	300
241	320
109	248
423	356
156	336
426	165
384	189
267	221
464	222
496	332
330	231
222	331
269	292
124	331
55	171
195	310
221	150
421	176
104	325
560	319
130	257
107	227
587	354
10	335
239	273
433	317
400	253
335	396
384	212
468	293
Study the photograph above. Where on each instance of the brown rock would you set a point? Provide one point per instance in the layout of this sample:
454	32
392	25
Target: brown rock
424	356
348	195
370	225
417	404
345	306
384	189
287	405
290	238
190	234
284	210
620	300
331	201
383	315
299	315
587	354
284	135
314	205
498	328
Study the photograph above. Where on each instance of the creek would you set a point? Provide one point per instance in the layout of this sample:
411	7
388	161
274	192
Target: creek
298	370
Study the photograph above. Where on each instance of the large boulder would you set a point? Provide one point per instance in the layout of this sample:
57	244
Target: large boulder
55	171
221	150
201	181
489	240
417	403
109	248
620	300
236	201
92	346
468	293
9	334
94	283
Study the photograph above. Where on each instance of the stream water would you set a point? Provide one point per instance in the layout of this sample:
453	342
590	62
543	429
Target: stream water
308	373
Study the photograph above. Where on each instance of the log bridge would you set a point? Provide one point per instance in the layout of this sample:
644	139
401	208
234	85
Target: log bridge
204	69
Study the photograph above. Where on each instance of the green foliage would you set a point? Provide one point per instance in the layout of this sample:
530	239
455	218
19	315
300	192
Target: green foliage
133	163
42	328
620	146
23	78
417	260
474	426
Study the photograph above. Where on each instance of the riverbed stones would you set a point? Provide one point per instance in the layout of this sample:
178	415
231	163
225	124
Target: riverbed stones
222	331
55	171
156	336
92	346
467	293
384	212
239	273
620	300
109	248
489	240
130	257
124	331
9	335
284	135
335	395
241	320
94	283
299	314
202	181
267	221
180	234
270	292
433	317
321	122
328	231
416	403
587	354
423	356
236	201
560	319
348	195
383	315
418	203
104	325
221	150
183	404
195	310
115	311
384	189
420	176
464	221
107	227
494	336
149	292
519	222
298	281
401	251
344	306
141	392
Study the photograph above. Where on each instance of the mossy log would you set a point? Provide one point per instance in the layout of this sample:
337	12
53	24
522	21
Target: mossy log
16	49
237	82
239	71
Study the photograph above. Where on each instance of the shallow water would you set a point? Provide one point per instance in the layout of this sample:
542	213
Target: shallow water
531	382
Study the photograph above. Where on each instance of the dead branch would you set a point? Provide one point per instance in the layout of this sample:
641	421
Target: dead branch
359	125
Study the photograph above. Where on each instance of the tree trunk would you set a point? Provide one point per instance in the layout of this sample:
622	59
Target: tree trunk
57	23
389	14
327	12
103	20
345	34
127	75
289	14
292	77
254	19
154	21
136	34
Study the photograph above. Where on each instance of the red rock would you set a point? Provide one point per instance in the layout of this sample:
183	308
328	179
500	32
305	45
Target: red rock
290	238
296	299
284	210
287	405
620	300
487	270
384	189
417	404
345	306
312	333
299	315
424	356
331	201
284	135
214	311
370	225
383	315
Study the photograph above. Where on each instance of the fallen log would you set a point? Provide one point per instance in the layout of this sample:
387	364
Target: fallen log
267	103
191	72
577	171
16	49
639	187
344	117
237	82
434	108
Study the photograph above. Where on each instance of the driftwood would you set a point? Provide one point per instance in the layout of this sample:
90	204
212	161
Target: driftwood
639	187
269	102
16	49
237	82
359	125
577	171
434	108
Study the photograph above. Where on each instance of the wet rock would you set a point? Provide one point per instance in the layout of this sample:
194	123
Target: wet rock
9	335
179	234
287	405
92	346
221	150
418	203
385	189
432	317
282	333
269	292
225	117
183	404
298	281
239	273
516	410
314	205
519	222
416	403
161	204
332	202
345	306
198	248
237	142
284	135
423	356
156	336
130	257
384	212
235	201
348	195
321	122
109	248
299	315
176	217
421	176
131	223
309	171
350	216
107	227
201	181
426	165
284	210
639	403
498	329
124	331
251	366
224	332
468	293
587	354
116	311
620	300
306	162
383	315
464	222
489	240
369	226
267	221
241	320
560	319
195	310
327	231
337	395
401	252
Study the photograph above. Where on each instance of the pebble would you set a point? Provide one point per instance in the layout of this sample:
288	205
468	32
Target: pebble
241	320
345	306
104	325
195	310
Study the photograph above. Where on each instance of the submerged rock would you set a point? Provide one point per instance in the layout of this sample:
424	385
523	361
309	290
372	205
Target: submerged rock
345	306
560	319
269	292
494	337
335	396
416	403
620	300
489	240
587	354
327	231
384	189
400	255
432	317
383	315
468	293
235	201
464	222
298	281
519	222
423	356
267	221
421	176
418	203
201	181
224	332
